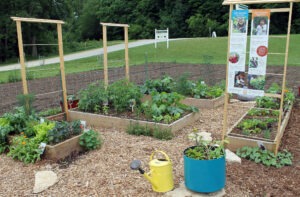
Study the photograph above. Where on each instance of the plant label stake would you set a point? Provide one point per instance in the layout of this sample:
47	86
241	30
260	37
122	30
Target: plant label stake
160	175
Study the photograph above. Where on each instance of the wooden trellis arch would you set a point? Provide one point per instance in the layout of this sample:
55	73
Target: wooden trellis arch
231	3
105	63
59	23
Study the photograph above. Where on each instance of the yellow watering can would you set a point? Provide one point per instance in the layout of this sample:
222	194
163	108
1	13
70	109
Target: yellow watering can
160	175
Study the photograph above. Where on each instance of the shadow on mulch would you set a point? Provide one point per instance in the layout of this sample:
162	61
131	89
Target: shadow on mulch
260	180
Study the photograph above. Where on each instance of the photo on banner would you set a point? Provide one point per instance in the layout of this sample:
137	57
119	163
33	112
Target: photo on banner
259	40
237	55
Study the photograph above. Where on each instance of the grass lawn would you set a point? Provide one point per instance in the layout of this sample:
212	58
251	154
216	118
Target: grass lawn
194	51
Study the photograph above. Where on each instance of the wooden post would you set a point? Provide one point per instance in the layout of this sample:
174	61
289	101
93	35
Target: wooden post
62	69
279	134
21	55
225	113
126	53
105	70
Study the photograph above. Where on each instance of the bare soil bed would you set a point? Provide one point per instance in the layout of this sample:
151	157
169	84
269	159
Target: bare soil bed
106	172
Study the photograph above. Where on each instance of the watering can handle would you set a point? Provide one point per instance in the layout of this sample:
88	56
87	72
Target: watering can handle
159	151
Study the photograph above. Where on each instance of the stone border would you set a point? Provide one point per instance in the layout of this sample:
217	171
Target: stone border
236	141
97	120
64	149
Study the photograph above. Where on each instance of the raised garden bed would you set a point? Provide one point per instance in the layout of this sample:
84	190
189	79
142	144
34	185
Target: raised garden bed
64	149
238	140
57	117
103	121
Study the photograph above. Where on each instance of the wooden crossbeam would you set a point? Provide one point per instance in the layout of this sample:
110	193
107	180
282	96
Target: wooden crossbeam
37	20
114	24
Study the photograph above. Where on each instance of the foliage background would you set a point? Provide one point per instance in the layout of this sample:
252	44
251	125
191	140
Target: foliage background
184	18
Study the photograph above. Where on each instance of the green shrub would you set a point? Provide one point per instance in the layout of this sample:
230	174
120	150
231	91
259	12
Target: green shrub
93	98
123	95
137	129
162	134
90	140
266	157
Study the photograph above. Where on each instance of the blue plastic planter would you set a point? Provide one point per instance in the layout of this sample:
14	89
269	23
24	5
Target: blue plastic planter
204	176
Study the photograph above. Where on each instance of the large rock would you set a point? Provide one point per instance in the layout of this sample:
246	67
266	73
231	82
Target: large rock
182	191
232	157
44	180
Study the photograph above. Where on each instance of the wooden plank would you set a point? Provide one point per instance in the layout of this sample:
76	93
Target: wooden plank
62	68
272	95
126	53
275	10
22	59
204	103
225	113
105	69
102	121
114	24
37	20
284	75
231	2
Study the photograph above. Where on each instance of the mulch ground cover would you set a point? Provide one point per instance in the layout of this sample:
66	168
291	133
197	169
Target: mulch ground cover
106	172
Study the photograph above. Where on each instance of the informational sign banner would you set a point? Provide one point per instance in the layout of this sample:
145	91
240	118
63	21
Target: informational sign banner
237	57
258	51
162	35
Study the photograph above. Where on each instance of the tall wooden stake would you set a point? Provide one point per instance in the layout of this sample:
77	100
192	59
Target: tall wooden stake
126	52
105	70
62	68
21	55
225	117
279	134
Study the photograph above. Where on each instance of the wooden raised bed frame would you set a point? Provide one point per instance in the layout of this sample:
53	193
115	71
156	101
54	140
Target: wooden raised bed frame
236	142
97	120
64	149
199	103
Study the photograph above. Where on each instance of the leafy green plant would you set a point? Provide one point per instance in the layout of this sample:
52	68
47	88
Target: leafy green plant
166	107
205	149
158	85
50	112
274	89
123	95
3	147
266	157
263	112
63	131
90	140
41	131
267	102
184	86
289	98
25	149
5	129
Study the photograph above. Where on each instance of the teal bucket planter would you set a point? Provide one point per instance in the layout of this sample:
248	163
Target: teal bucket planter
204	176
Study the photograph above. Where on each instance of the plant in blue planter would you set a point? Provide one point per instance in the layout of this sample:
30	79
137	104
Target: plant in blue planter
205	164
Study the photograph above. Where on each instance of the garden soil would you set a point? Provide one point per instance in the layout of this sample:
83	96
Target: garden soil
106	171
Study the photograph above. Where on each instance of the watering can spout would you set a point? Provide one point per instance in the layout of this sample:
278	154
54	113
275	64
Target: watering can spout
150	179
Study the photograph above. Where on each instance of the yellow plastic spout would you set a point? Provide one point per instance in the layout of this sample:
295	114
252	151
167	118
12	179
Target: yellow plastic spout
149	178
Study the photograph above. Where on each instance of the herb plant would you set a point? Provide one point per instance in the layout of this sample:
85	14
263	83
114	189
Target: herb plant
156	132
90	140
266	157
205	149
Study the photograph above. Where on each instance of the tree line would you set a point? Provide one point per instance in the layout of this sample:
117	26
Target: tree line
184	18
